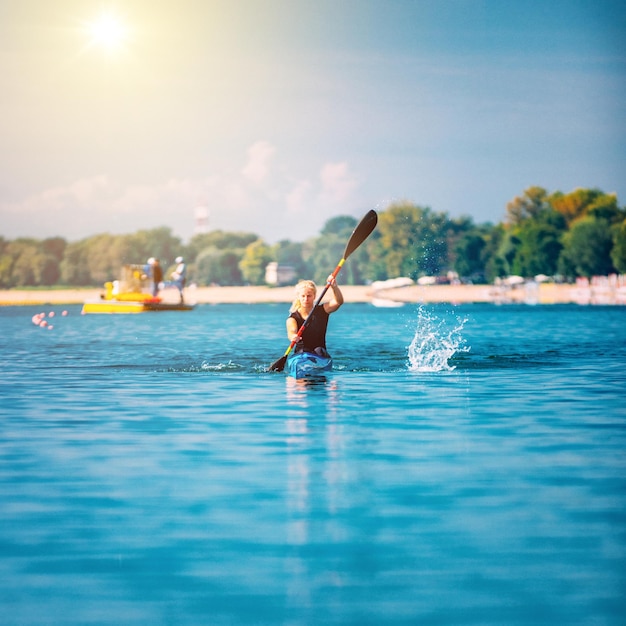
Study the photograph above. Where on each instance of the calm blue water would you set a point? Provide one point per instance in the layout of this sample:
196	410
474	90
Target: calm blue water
462	465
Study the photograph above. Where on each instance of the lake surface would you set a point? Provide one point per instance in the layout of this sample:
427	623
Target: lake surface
461	465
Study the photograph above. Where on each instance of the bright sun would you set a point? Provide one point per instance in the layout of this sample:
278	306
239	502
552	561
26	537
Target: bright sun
107	31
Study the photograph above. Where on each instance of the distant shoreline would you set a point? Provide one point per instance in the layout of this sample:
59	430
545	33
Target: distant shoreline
530	293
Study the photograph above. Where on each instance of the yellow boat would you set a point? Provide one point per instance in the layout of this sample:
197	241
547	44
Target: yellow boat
131	294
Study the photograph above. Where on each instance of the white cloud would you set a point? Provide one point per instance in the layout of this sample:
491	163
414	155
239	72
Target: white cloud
299	198
336	186
284	209
78	193
337	182
260	156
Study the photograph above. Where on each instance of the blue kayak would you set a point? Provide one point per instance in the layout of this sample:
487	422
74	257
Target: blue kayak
308	364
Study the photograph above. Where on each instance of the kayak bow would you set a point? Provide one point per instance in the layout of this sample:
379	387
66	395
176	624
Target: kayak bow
308	364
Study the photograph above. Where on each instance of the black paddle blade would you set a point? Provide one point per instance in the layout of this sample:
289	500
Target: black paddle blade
279	365
361	232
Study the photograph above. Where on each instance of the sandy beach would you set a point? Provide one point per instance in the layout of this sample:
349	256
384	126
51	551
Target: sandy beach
530	293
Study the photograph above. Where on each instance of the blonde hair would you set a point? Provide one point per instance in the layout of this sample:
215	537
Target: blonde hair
303	284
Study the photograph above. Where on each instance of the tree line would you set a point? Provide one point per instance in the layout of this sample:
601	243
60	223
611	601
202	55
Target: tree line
561	235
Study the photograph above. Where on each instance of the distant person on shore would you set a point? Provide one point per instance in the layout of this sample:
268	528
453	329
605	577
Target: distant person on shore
157	277
313	338
179	276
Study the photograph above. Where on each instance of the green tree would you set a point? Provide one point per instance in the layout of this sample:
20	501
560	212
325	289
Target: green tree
6	271
376	267
286	252
505	254
99	258
220	240
46	269
527	206
102	262
495	265
48	263
341	226
604	206
618	253
470	258
75	266
587	249
537	243
6	264
254	261
538	249
413	240
159	243
24	266
585	202
321	254
356	269
54	246
219	267
456	229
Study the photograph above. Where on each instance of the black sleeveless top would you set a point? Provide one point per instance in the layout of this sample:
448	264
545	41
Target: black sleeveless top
314	335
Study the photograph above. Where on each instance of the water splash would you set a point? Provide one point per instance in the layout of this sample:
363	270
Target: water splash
220	367
435	342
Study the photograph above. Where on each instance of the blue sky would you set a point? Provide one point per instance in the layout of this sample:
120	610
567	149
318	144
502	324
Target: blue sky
276	115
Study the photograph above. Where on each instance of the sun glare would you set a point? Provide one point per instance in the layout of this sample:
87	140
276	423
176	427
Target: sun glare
107	31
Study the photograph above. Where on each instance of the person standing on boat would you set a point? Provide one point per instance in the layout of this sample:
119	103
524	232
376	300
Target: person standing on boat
157	277
147	269
313	338
179	276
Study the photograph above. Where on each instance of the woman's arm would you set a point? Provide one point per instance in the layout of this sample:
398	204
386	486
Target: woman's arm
337	300
292	328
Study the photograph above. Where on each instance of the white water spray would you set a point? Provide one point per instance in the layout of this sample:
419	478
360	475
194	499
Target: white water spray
435	342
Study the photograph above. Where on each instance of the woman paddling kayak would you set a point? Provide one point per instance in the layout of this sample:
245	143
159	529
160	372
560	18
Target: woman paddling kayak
313	339
362	231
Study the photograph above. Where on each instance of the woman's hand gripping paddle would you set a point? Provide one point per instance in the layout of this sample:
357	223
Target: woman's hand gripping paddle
359	235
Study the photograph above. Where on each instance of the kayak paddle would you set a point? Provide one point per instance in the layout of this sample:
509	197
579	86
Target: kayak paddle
362	231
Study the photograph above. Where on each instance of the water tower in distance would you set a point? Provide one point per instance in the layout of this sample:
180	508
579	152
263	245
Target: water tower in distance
201	215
